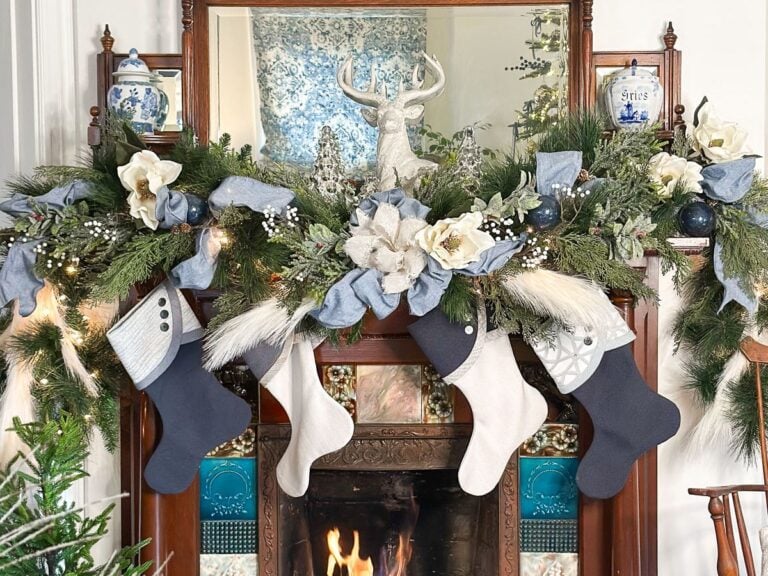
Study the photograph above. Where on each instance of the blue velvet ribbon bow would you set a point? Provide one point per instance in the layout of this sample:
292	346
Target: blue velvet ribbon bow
17	276
729	182
197	272
346	301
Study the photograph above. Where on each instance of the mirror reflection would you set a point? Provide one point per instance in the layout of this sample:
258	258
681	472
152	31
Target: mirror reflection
169	81
276	72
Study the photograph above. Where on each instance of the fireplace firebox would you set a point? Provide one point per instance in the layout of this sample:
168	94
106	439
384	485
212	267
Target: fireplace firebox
388	501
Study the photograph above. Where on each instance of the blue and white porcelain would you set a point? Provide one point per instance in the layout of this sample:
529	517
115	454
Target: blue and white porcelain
165	104
133	97
634	97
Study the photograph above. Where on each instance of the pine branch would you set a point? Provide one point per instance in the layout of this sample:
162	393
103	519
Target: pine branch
459	301
42	534
588	256
582	131
443	192
141	257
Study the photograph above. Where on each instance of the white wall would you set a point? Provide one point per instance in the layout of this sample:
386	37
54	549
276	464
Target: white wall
723	44
44	114
475	45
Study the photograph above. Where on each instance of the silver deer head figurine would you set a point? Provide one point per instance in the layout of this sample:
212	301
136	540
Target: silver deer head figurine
394	157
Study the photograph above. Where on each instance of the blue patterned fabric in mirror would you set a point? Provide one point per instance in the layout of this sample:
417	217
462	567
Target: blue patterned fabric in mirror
298	52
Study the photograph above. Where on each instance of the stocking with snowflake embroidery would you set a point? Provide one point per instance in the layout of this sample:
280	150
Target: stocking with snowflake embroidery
596	366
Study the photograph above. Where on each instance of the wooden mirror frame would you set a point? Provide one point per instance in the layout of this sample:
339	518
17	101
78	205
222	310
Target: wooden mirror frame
196	57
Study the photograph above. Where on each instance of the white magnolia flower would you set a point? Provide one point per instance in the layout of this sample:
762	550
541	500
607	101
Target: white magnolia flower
456	242
667	170
716	140
388	244
144	176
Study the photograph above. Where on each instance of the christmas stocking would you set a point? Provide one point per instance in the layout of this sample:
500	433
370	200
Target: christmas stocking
159	343
319	425
597	367
506	410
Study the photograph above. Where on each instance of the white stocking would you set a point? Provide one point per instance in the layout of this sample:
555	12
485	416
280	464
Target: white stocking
319	425
506	411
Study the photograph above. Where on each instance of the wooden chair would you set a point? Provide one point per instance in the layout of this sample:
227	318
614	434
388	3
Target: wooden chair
724	501
724	505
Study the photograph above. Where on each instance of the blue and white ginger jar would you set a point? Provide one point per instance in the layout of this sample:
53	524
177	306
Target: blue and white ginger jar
134	97
634	97
165	104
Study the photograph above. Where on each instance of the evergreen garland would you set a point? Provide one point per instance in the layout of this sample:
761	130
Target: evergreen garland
615	213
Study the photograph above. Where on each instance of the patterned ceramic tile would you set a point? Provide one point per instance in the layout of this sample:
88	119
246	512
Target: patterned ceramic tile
244	446
229	537
229	565
437	397
389	394
553	440
297	59
339	382
548	488
228	489
549	564
549	535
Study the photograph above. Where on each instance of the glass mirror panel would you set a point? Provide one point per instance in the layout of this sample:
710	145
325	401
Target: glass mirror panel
274	75
170	84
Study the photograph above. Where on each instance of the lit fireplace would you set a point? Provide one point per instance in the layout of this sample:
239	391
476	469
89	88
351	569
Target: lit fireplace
390	562
389	504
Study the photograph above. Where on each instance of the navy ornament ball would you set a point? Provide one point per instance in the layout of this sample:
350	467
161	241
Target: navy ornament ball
697	219
546	216
197	210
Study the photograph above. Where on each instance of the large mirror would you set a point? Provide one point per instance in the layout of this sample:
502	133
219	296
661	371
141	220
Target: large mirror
269	75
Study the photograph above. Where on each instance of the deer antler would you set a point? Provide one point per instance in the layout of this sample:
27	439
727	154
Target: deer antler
368	98
417	95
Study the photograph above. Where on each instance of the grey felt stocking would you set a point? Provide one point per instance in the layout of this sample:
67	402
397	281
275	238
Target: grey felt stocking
629	419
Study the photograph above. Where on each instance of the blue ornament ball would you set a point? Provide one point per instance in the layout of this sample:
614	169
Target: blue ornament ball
697	219
546	216
197	210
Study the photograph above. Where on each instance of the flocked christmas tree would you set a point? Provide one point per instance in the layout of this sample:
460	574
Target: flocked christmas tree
41	532
328	170
469	160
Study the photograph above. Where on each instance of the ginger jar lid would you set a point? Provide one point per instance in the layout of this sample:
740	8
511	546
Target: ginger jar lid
133	66
633	72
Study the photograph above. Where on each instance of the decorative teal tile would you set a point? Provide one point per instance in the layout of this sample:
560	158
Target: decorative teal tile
229	537
549	536
228	489
548	488
549	564
229	565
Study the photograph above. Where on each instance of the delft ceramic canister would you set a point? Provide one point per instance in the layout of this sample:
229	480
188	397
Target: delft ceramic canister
634	97
165	104
133	97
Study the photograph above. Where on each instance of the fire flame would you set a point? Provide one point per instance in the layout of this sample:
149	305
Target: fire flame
353	565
